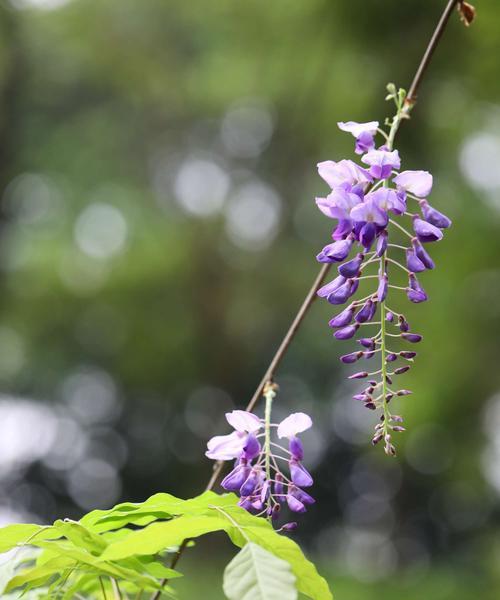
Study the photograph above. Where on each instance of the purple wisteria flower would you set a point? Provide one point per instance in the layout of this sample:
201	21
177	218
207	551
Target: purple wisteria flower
363	132
257	475
383	222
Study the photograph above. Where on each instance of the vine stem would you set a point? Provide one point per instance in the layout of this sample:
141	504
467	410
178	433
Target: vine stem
409	102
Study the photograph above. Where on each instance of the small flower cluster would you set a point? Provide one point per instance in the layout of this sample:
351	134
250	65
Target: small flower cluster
369	204
257	476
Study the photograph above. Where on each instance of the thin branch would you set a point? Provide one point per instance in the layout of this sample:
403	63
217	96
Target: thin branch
411	97
268	377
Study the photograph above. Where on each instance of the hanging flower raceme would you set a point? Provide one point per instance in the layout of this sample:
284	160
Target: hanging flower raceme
383	221
258	475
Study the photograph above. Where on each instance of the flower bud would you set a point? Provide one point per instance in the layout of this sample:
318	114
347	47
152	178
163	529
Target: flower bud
346	332
351	358
343	318
413	338
335	252
413	263
381	243
351	268
422	254
367	343
391	357
431	215
425	231
292	526
401	370
366	312
407	355
360	375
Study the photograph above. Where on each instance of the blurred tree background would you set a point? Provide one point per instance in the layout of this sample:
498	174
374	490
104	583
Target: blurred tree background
158	232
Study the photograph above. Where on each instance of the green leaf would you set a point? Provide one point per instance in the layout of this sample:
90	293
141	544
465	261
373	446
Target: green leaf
13	535
158	536
39	575
258	530
256	574
158	506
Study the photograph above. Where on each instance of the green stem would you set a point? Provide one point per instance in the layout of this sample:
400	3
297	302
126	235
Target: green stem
269	395
396	122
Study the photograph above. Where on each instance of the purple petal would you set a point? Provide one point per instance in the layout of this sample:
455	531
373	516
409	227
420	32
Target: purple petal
302	496
299	474
294	504
382	287
251	448
242	420
343	318
366	313
294	424
381	243
418	183
422	254
351	267
358	128
235	479
251	482
226	447
434	216
364	143
382	162
426	232
296	448
329	288
413	263
346	333
335	252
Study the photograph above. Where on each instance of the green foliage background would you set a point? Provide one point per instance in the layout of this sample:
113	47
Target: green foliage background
102	102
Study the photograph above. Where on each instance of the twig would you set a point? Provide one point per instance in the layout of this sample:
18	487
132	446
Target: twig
410	101
411	97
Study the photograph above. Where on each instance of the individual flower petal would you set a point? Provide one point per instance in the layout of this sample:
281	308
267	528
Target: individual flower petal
343	318
226	447
279	487
422	254
242	420
335	252
251	448
433	216
364	143
346	333
294	424
367	235
387	200
302	496
343	172
381	243
369	212
418	183
366	313
296	448
251	482
299	474
330	287
236	478
294	504
413	263
358	128
382	287
351	267
426	232
382	162
342	293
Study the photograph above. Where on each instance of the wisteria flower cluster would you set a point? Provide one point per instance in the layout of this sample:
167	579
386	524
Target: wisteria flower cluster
257	476
371	204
